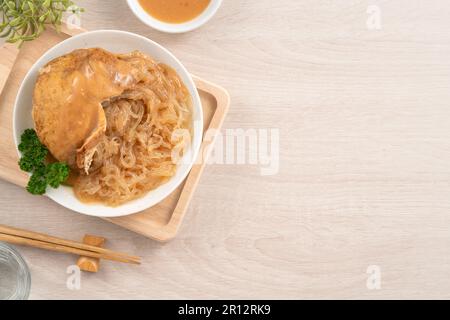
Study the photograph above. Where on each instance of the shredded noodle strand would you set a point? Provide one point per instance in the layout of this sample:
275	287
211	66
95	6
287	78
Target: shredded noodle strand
135	155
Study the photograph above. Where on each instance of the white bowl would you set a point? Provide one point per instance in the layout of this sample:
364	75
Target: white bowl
146	18
117	42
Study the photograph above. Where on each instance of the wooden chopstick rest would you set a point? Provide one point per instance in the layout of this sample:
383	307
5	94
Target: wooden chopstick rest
89	264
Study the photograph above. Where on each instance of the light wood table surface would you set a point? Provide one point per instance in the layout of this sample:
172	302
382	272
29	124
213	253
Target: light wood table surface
364	179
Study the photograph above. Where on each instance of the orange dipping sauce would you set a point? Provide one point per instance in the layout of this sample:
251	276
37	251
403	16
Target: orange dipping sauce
174	11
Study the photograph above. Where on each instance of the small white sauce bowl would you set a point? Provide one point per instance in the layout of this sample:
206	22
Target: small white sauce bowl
116	42
197	22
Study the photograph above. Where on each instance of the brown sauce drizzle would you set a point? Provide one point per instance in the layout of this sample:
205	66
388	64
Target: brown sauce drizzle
82	121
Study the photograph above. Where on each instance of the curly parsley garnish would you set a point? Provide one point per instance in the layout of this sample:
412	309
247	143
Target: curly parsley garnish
56	174
34	154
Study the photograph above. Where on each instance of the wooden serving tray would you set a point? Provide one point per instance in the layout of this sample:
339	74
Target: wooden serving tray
161	222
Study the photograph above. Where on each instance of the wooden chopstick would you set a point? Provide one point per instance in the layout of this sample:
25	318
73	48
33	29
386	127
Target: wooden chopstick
69	243
60	248
24	237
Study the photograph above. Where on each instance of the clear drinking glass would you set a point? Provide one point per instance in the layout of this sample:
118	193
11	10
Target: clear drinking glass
15	280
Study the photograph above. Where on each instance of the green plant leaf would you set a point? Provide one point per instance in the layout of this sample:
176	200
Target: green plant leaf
25	20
